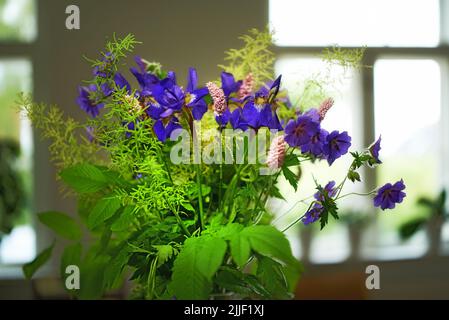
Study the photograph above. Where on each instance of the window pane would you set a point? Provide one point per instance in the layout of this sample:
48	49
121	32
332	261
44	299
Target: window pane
17	20
17	246
355	22
304	77
407	115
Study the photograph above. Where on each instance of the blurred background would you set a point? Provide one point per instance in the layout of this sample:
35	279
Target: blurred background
401	94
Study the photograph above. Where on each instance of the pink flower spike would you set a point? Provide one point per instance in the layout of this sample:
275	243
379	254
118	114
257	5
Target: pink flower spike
324	107
218	97
276	155
247	86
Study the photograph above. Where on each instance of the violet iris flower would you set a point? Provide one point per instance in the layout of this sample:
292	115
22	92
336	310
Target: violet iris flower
258	110
229	86
102	70
194	95
164	130
89	98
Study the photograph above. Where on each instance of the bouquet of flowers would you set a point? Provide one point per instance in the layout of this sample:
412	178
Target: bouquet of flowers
173	181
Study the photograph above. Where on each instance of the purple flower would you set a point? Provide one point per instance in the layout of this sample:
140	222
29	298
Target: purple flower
337	144
237	120
146	80
316	143
169	98
314	213
388	195
258	110
228	84
299	132
163	131
103	69
194	96
87	100
374	150
121	82
329	190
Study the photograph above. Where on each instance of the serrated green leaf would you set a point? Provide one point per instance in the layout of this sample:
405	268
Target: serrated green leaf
353	176
291	177
104	209
195	266
229	231
84	178
272	276
164	253
269	241
240	249
29	269
61	224
291	160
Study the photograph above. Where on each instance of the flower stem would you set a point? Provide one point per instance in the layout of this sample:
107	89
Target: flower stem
200	195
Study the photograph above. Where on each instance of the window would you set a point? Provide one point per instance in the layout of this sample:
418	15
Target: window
399	23
17	33
400	96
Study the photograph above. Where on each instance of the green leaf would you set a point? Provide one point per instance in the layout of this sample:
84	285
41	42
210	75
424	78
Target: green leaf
272	277
61	224
30	268
291	160
195	266
269	241
240	249
104	209
229	231
408	229
84	178
354	176
114	270
291	177
246	285
274	192
125	219
164	253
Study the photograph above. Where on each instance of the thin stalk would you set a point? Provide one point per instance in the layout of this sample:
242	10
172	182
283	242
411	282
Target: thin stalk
200	195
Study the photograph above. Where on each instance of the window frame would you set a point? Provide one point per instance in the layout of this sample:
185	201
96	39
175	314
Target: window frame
439	53
26	50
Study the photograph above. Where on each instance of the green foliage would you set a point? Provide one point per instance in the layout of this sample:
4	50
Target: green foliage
29	269
254	57
346	58
61	224
67	146
84	178
12	193
184	231
195	266
436	210
104	209
291	177
409	228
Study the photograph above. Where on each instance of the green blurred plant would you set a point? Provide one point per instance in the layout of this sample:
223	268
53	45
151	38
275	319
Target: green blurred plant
12	196
435	208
